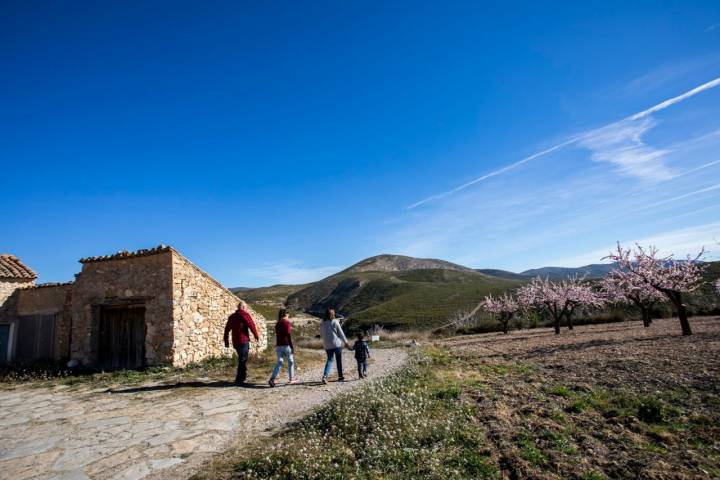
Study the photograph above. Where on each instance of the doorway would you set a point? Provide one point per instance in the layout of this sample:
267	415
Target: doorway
121	337
35	337
4	343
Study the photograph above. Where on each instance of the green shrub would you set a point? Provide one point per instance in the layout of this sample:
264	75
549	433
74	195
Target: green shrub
650	410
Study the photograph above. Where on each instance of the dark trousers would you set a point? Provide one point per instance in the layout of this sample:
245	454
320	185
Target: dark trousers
362	368
242	351
337	353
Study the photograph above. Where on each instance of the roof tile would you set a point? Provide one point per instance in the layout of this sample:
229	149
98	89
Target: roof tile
12	268
125	254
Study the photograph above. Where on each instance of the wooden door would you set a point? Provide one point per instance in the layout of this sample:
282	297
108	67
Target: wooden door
121	337
35	337
4	343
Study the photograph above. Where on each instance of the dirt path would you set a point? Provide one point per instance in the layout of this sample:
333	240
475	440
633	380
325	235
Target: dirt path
152	431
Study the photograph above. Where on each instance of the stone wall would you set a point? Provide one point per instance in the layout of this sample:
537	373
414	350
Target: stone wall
7	299
141	280
46	300
201	308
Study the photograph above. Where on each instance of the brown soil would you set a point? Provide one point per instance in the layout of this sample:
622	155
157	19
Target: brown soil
614	400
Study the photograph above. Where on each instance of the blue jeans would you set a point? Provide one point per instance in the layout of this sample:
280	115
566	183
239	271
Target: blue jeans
242	351
362	368
284	351
337	352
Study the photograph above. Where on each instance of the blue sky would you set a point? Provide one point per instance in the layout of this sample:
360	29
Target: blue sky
282	141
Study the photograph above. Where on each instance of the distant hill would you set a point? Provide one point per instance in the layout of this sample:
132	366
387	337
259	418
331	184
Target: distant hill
275	294
502	274
401	263
399	292
595	270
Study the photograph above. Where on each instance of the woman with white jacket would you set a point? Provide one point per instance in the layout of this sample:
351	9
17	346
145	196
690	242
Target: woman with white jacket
333	339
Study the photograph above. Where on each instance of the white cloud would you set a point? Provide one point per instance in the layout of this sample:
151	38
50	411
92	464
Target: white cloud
636	159
621	145
681	242
672	101
289	272
491	174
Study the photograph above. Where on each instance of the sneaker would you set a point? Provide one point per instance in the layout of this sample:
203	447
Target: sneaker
324	380
341	379
293	381
271	382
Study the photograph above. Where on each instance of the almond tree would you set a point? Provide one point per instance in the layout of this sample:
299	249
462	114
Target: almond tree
717	286
503	307
668	276
624	287
560	299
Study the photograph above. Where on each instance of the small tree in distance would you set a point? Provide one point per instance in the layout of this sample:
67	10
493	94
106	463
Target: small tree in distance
624	287
560	299
668	276
503	307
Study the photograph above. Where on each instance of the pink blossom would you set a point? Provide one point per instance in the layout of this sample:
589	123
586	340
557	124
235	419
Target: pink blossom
503	307
668	276
560	299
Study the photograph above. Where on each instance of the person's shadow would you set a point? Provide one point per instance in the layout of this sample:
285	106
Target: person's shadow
198	384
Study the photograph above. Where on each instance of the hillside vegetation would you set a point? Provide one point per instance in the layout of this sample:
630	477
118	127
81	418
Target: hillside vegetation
401	293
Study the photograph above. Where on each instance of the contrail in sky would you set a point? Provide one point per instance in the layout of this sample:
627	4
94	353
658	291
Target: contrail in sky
660	106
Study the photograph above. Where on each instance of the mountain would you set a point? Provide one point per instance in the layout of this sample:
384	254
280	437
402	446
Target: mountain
398	292
595	270
401	263
493	272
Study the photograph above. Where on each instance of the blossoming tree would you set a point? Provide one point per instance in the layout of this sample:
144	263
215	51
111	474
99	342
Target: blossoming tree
621	286
668	276
502	307
560	299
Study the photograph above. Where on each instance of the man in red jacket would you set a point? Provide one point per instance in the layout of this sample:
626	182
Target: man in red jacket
241	324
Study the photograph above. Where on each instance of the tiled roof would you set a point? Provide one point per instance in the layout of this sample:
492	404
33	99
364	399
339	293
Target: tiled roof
12	268
144	252
53	284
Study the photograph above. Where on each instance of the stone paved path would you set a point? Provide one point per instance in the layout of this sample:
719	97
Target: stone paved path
152	431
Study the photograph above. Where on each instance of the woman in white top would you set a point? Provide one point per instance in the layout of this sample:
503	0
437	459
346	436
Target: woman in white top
333	339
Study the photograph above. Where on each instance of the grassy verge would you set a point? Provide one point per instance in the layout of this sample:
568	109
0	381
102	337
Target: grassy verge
456	415
407	425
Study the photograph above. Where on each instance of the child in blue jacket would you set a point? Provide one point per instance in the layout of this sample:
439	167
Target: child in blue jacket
362	353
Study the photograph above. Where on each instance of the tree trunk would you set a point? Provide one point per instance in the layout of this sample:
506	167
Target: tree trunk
557	325
684	323
569	313
645	316
676	299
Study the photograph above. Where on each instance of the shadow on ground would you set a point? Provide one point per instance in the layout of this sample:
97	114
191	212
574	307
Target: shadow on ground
217	384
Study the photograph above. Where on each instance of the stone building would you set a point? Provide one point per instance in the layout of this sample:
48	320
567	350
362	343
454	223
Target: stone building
127	310
13	275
